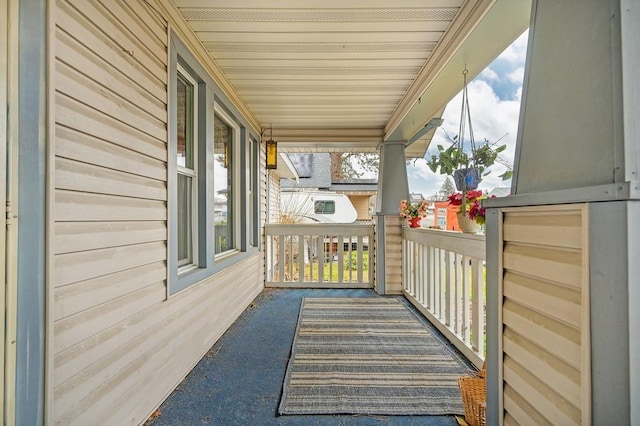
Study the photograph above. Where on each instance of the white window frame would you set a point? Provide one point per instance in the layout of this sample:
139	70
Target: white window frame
193	174
236	181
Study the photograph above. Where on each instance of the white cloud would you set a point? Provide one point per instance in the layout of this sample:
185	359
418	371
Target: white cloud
517	51
516	75
489	74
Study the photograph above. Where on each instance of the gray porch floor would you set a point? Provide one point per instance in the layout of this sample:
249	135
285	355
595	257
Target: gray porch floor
239	381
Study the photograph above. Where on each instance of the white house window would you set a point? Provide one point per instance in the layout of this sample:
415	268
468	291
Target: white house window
187	170
213	177
324	207
226	214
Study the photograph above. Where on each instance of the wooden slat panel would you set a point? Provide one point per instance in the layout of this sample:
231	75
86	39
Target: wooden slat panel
148	19
556	301
82	147
72	330
86	91
549	403
89	121
72	206
519	411
124	407
197	341
543	279
550	264
74	298
73	23
73	267
145	38
109	369
81	236
562	377
553	228
554	337
82	177
509	420
77	56
103	19
163	357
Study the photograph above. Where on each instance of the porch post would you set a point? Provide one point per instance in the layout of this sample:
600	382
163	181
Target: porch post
30	160
578	149
393	187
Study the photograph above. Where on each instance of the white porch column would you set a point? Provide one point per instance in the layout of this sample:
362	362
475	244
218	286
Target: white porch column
393	187
578	147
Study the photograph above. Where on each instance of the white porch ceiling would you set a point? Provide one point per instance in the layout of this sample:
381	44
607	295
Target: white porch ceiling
338	74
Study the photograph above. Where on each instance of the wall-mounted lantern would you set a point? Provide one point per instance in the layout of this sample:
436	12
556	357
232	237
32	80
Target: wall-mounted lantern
272	152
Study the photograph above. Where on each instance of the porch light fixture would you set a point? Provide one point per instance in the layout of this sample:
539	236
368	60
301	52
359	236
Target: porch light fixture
272	151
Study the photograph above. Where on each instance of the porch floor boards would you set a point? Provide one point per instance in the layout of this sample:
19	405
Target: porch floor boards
239	381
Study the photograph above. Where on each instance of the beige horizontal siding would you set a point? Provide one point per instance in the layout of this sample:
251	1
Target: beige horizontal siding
547	367
549	263
518	411
153	358
78	87
84	119
393	254
82	177
82	236
116	52
550	228
545	337
83	295
84	265
82	207
119	345
88	149
71	51
541	296
274	198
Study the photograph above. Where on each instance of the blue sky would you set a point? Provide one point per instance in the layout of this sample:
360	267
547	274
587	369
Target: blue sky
494	101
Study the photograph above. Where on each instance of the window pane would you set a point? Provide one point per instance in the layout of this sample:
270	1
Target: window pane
185	215
223	179
324	207
185	123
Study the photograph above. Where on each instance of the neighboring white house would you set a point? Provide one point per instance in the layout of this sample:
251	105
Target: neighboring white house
317	206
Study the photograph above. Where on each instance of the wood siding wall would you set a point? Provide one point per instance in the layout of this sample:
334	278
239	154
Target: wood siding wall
274	198
392	252
545	341
119	346
361	204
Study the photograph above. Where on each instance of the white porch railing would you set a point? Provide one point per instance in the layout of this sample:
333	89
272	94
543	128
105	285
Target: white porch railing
444	277
319	255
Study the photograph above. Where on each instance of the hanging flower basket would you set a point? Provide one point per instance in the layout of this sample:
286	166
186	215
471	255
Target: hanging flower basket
468	226
467	161
466	179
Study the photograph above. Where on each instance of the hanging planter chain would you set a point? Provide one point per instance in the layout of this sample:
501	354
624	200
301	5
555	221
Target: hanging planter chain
465	116
470	173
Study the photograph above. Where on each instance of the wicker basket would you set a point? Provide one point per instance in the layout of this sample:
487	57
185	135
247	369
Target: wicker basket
474	398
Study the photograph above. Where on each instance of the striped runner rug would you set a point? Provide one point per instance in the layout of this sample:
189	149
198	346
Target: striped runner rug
368	356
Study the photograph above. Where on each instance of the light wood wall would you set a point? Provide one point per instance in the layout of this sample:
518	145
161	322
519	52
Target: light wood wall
545	316
274	198
390	253
119	346
362	206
